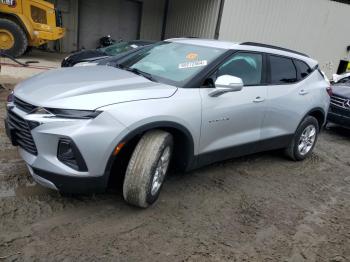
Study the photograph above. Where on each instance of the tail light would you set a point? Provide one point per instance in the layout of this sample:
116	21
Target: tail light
329	90
10	97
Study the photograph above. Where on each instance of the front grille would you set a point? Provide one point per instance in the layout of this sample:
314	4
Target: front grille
22	134
24	106
339	111
339	101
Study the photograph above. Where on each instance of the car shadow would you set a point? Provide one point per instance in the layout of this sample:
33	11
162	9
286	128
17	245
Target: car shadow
338	130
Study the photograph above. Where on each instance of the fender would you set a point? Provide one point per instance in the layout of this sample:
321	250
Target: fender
188	155
22	21
159	124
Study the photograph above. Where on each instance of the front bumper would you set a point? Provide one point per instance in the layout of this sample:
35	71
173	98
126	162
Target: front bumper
336	116
69	184
95	139
42	37
54	34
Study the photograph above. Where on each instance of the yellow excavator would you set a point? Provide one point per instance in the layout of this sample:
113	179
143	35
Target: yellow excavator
27	23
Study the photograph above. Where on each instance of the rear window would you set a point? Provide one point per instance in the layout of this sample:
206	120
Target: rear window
116	49
303	69
283	70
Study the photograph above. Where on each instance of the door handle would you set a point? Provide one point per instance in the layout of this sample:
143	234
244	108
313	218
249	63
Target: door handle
303	92
258	99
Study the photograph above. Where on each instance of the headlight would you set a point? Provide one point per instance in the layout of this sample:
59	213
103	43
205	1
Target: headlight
10	97
67	113
85	64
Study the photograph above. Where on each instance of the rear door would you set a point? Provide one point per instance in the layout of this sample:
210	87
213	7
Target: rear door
288	99
231	122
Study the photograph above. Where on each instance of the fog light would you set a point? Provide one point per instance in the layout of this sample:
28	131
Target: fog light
69	155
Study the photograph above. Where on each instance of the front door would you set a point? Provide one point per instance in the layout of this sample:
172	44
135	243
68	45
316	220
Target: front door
231	122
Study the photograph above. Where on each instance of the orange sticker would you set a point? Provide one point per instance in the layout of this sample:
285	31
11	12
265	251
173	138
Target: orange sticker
192	56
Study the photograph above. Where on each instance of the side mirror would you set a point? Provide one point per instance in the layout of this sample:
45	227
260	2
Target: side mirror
225	84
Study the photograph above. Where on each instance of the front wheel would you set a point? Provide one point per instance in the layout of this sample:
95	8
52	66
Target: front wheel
304	140
147	168
13	40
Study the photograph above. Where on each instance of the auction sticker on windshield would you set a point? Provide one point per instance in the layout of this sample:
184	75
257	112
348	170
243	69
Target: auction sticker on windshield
192	56
193	64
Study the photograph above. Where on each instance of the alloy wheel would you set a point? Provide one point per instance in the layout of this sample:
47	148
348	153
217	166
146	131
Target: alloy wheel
160	172
307	140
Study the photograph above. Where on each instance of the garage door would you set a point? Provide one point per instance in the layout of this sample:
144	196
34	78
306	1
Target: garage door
118	18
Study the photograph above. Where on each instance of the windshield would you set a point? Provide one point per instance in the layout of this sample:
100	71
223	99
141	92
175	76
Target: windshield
118	48
345	80
172	63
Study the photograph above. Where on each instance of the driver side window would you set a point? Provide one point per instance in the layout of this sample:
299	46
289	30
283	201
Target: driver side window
247	66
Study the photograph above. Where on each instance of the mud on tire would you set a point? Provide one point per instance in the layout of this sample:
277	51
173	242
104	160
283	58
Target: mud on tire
20	38
143	166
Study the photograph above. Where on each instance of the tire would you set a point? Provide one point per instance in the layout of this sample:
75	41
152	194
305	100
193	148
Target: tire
141	187
28	50
294	150
20	39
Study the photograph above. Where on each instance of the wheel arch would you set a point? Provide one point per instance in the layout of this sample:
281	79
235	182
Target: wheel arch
22	22
319	114
183	147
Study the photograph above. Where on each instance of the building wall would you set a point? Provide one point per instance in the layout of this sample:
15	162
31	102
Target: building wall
151	25
316	27
118	18
69	9
192	18
152	19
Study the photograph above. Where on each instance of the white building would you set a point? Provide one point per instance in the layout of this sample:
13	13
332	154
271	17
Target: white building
319	28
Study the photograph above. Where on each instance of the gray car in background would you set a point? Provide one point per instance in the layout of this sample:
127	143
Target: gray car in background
92	57
184	102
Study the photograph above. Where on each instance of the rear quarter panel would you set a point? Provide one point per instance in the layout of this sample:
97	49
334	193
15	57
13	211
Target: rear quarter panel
287	108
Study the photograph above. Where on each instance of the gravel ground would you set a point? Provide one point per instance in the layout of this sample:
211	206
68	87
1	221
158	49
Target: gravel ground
256	208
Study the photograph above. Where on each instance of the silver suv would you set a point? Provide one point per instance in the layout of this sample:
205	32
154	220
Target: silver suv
190	102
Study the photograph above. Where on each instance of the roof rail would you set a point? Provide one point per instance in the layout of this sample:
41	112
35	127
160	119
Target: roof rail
274	47
189	36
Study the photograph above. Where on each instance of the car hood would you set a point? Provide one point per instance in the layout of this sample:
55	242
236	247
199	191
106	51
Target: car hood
88	88
342	90
80	56
93	59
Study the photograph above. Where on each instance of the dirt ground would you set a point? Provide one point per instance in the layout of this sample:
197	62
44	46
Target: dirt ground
256	208
42	61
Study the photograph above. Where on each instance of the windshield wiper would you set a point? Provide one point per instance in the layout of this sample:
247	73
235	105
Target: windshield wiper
140	73
119	66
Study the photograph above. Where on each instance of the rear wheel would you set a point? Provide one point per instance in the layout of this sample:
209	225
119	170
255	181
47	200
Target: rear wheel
304	140
13	40
147	168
